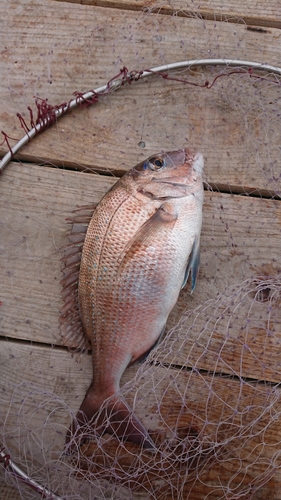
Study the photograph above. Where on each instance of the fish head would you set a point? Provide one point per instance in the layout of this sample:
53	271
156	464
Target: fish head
169	175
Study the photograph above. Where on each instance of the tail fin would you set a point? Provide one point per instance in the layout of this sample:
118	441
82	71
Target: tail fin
115	417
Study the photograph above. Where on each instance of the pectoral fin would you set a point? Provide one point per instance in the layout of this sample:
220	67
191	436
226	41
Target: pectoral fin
193	265
165	217
160	219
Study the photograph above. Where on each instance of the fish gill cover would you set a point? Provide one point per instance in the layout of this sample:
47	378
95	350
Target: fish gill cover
209	393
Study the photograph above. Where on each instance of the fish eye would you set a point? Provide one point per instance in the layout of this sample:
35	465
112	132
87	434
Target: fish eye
156	163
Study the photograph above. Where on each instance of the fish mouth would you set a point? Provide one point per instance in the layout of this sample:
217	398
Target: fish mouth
186	156
198	163
183	182
180	163
196	160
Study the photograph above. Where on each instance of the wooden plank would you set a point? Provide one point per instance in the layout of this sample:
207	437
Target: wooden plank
236	124
253	13
8	492
233	424
30	262
34	228
240	240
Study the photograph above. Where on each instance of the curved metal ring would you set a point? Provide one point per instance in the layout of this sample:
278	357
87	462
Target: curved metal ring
115	84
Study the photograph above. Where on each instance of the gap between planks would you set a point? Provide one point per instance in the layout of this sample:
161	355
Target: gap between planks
180	8
160	113
49	392
240	238
210	186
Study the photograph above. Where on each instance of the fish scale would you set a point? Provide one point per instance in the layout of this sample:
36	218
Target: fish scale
141	244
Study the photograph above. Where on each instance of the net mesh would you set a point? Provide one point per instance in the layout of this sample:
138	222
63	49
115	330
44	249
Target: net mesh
209	393
201	420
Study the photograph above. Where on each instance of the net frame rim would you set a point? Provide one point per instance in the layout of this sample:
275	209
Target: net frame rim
7	463
116	83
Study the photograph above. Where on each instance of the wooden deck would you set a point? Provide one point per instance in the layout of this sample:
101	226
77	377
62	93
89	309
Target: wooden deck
51	49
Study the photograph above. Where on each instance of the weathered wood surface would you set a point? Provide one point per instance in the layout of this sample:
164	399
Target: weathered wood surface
8	492
107	136
47	385
240	239
256	12
51	49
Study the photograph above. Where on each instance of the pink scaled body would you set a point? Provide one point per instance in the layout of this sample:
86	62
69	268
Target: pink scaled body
141	245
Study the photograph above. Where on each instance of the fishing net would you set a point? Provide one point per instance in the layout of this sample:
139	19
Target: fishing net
209	394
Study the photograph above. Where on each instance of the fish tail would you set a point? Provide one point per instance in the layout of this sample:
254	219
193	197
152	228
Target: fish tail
116	418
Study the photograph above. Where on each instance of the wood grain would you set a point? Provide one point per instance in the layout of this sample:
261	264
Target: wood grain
46	385
253	13
34	228
240	240
9	492
236	124
223	360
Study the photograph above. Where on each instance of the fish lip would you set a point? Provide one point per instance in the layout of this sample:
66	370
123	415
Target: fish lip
198	163
196	159
189	156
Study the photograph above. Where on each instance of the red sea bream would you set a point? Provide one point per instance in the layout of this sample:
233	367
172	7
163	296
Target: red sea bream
141	245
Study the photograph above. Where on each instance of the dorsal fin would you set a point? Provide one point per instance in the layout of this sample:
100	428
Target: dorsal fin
71	328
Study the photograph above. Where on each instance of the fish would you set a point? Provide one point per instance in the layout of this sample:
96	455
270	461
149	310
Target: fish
124	269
